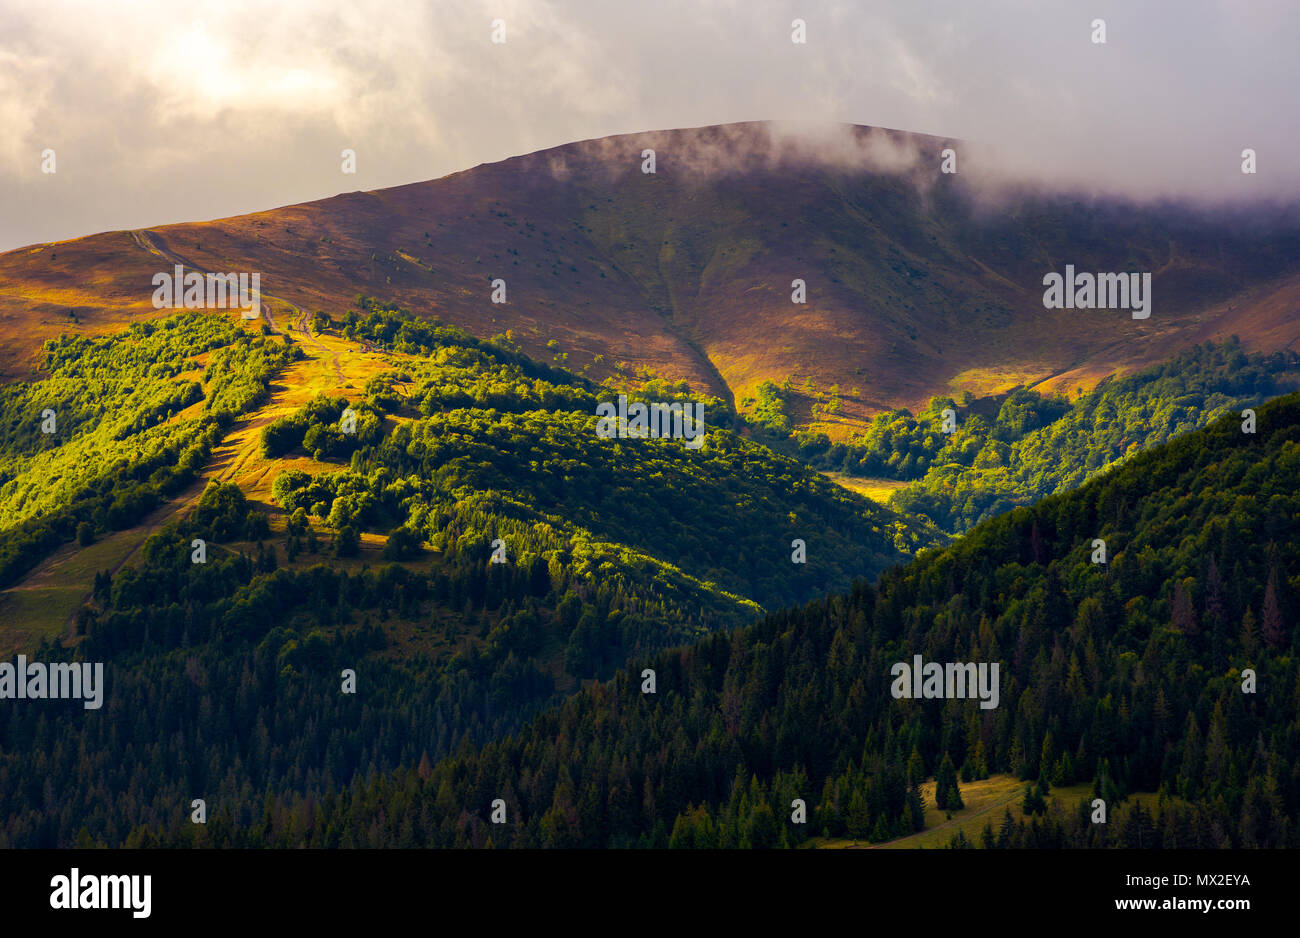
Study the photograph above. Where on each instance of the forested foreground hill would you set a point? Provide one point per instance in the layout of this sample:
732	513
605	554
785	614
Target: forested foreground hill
372	552
1130	674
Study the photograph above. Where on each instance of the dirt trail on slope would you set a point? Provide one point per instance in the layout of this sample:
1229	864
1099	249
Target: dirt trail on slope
236	457
150	242
233	453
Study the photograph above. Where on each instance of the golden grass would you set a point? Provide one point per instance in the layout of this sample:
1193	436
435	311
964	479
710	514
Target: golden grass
985	801
878	490
239	459
985	382
28	615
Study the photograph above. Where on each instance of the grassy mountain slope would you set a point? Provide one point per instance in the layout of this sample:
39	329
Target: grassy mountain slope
121	426
916	285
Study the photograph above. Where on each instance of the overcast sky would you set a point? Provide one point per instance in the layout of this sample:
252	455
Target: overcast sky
173	111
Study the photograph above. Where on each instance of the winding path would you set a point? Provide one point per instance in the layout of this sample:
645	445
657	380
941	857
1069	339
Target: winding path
150	242
231	456
222	466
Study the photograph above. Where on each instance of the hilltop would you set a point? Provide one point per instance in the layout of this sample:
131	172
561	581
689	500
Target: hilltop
918	283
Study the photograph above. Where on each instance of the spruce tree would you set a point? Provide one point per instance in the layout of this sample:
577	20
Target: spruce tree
947	795
1249	634
1182	613
915	806
1272	627
1007	829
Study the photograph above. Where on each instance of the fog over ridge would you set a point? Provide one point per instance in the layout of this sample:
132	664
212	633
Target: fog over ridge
164	112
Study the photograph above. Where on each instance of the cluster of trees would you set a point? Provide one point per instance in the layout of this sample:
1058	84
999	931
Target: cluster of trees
726	514
117	451
1119	418
239	375
469	377
900	446
1033	445
317	428
771	403
769	409
98	407
1132	826
460	371
1105	676
492	447
393	327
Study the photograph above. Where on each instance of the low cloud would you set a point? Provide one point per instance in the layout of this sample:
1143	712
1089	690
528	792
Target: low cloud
172	111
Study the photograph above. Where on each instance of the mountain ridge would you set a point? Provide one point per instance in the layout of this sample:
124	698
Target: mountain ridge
687	272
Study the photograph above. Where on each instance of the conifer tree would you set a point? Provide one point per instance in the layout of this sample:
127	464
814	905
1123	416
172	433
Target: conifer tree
1182	613
1272	627
947	795
1249	634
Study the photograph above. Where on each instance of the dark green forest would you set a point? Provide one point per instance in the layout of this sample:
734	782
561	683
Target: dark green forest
522	680
1127	673
613	550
